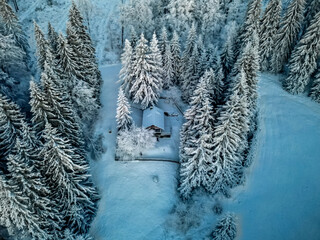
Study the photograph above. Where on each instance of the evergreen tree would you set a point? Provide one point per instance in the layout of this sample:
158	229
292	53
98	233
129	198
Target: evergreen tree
133	37
287	34
269	26
202	56
191	41
168	68
215	86
225	229
228	57
315	90
230	137
176	58
124	120
303	62
147	83
53	37
251	25
163	42
67	179
42	45
126	72
26	182
191	75
196	143
10	125
10	25
312	8
20	221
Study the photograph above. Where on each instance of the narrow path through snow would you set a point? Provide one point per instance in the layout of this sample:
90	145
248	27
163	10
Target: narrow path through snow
281	197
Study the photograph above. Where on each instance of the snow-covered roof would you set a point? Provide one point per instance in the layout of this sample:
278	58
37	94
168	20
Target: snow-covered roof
153	116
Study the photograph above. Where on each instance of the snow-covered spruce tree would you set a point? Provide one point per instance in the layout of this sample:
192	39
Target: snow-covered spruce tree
269	27
81	44
26	182
133	37
230	138
163	41
147	82
10	125
68	181
312	8
202	56
52	38
315	90
303	61
176	58
191	41
215	86
124	119
287	35
191	75
20	221
126	72
228	57
196	145
42	45
226	228
168	67
250	25
10	25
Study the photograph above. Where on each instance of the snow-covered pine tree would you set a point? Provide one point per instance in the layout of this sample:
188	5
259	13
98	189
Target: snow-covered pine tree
287	35
81	44
250	25
228	57
68	181
230	137
124	119
147	83
20	222
303	61
176	56
225	229
168	67
215	86
196	144
10	125
312	8
191	41
202	56
315	90
191	75
42	45
163	41
10	25
133	37
269	27
26	182
53	37
126	72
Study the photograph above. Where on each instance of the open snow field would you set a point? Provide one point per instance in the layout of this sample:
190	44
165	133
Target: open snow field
279	201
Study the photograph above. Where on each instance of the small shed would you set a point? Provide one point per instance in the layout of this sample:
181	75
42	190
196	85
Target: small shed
153	118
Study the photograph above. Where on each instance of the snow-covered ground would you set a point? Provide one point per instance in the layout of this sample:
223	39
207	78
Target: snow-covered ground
280	199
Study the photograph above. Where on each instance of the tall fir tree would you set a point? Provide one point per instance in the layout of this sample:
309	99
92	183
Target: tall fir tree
269	27
190	43
287	35
53	37
168	68
176	56
163	41
10	25
42	45
225	229
215	86
126	72
124	119
133	37
303	62
311	9
196	143
147	83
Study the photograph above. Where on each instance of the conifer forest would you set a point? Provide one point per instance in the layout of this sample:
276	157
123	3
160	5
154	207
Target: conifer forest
159	119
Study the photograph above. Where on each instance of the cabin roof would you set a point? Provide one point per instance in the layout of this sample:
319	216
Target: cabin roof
153	116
